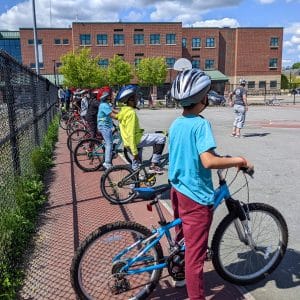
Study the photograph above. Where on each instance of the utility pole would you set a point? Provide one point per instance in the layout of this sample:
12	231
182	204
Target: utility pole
36	50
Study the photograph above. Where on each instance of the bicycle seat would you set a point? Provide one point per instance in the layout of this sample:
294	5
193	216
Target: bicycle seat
149	193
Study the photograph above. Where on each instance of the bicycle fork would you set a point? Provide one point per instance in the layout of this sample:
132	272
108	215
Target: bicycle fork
242	223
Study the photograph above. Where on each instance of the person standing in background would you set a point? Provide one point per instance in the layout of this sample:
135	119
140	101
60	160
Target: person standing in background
240	106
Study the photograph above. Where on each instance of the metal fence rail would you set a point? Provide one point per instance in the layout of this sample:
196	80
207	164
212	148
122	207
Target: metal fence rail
27	106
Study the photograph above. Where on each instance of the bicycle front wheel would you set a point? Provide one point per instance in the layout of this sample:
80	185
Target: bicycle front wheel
101	267
239	262
117	184
89	154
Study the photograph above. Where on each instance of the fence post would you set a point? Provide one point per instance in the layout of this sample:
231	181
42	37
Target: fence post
12	118
33	80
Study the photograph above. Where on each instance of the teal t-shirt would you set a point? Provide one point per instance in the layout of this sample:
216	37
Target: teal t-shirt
103	117
189	136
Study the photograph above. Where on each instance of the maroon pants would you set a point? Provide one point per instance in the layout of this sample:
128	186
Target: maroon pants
196	221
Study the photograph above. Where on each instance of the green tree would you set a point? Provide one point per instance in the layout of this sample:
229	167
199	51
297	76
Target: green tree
285	84
81	70
152	71
119	72
296	65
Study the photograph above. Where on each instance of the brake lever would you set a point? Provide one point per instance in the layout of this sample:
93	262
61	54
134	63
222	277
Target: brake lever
248	171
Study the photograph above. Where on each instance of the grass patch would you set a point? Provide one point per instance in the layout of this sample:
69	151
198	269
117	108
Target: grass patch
18	223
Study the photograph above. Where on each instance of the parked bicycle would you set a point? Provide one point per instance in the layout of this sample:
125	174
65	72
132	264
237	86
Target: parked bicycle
117	183
89	152
125	260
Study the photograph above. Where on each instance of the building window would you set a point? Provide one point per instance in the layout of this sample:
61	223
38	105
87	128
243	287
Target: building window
209	64
31	42
170	61
262	85
41	65
196	63
274	42
171	39
118	39
184	42
273	63
103	63
57	41
196	42
138	39
210	42
251	84
102	39
273	84
58	64
137	61
66	41
85	39
154	39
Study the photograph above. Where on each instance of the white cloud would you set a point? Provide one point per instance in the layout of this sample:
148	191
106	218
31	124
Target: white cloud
64	12
266	1
295	39
226	22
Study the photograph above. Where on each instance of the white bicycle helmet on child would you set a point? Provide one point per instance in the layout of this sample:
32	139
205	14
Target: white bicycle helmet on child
242	81
190	87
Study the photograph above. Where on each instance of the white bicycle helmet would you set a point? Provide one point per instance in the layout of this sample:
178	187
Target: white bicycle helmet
242	81
190	86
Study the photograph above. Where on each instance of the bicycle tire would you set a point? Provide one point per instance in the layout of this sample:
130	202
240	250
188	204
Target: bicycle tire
127	155
63	120
74	124
93	268
110	187
75	137
89	155
255	265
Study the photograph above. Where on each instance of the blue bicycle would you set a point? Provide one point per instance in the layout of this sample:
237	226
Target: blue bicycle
125	260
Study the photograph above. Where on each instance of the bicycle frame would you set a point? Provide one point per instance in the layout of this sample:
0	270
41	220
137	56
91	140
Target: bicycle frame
221	193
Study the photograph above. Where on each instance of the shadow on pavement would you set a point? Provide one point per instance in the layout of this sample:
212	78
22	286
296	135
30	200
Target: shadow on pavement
287	274
246	135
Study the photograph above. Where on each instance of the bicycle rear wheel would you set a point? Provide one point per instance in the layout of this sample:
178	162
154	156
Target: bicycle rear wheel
116	184
99	270
89	155
237	261
75	137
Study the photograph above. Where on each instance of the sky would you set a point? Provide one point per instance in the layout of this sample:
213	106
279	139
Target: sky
15	14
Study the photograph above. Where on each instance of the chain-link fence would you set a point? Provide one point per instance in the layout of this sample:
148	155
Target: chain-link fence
27	106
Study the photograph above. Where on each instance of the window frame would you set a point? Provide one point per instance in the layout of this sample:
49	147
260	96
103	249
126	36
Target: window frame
251	85
170	61
172	39
103	39
209	64
274	45
154	37
85	35
116	37
197	43
184	42
206	42
103	65
56	40
137	40
272	86
273	63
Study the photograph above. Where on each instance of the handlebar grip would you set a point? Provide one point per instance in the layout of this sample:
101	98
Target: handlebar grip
248	171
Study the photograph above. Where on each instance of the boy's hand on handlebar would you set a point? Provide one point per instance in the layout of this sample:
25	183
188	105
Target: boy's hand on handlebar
246	166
